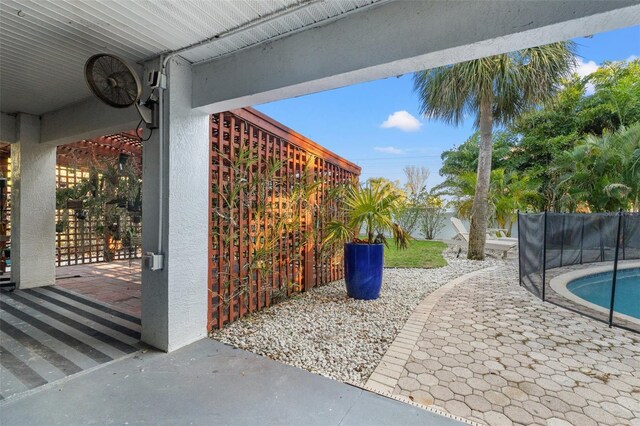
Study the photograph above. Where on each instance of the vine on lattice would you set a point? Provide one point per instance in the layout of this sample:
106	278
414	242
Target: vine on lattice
98	211
270	201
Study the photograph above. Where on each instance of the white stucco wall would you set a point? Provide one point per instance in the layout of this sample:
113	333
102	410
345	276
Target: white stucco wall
33	203
174	306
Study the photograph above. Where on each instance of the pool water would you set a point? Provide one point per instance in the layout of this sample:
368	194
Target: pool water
596	289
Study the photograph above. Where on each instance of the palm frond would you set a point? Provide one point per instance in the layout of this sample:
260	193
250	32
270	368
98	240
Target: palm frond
514	82
337	232
373	208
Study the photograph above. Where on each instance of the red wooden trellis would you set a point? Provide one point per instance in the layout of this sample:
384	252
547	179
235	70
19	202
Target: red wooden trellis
5	225
271	195
78	243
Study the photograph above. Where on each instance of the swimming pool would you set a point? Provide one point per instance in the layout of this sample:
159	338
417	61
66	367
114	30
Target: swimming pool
596	289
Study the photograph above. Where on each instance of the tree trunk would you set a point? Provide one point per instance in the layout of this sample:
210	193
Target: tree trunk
480	209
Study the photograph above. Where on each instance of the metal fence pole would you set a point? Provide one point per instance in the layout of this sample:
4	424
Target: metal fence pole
600	226
624	241
564	216
519	251
582	240
544	256
615	269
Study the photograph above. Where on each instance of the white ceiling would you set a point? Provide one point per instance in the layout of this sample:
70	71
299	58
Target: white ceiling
44	44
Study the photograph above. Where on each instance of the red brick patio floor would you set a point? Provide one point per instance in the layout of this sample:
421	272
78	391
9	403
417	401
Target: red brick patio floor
116	283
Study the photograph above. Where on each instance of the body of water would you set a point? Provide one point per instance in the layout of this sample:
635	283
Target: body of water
596	289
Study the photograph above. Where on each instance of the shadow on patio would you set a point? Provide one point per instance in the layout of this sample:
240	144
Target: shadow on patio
52	332
115	283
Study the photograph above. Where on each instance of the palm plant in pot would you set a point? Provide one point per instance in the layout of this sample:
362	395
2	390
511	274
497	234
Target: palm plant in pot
369	208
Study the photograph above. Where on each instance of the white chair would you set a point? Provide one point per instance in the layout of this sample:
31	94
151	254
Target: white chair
500	234
492	243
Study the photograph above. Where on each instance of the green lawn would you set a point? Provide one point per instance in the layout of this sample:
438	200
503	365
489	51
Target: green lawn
419	254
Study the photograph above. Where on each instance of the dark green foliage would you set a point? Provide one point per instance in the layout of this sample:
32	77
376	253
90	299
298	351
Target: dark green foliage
550	145
464	158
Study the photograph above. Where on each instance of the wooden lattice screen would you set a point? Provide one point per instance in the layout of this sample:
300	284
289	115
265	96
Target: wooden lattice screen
5	225
272	192
79	241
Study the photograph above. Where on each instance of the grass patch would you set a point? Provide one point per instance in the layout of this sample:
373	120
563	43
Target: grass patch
419	254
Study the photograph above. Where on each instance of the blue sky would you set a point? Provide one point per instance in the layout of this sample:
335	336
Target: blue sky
349	121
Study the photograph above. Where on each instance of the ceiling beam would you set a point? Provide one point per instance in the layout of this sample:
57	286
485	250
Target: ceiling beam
85	120
7	128
396	38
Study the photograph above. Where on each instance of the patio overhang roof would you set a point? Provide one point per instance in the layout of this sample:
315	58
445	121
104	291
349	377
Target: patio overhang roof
246	53
45	44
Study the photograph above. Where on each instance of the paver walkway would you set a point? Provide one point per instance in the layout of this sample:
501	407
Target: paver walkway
485	349
116	283
207	383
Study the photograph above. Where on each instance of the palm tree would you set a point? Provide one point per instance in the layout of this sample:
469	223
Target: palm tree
496	90
603	171
508	192
629	140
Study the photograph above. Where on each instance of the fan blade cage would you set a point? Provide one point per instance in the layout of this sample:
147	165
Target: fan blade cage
112	80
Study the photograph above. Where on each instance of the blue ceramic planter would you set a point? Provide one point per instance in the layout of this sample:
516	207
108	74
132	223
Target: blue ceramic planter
363	265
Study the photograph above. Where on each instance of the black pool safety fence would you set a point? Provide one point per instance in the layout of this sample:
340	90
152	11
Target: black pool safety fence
588	263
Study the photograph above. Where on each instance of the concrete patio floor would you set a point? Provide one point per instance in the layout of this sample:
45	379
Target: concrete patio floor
49	333
207	383
116	283
484	348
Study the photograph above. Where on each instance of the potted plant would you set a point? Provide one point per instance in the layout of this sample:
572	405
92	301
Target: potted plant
76	205
60	226
371	209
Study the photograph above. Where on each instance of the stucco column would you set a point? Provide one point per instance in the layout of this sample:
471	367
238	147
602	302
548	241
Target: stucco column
33	204
174	299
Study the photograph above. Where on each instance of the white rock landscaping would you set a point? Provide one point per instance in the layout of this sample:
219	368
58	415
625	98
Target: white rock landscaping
325	332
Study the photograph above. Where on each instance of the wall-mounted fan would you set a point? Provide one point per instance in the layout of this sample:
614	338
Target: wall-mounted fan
116	84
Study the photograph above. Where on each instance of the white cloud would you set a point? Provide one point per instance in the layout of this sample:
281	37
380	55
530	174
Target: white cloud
389	150
583	68
403	121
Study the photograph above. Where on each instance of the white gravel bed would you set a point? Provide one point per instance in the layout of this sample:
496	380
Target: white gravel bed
325	332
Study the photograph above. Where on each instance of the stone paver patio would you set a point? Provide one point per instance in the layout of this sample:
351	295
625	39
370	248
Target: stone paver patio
485	349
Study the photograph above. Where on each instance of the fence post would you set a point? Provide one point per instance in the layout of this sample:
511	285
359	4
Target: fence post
600	226
624	241
615	269
519	250
544	257
582	239
564	218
